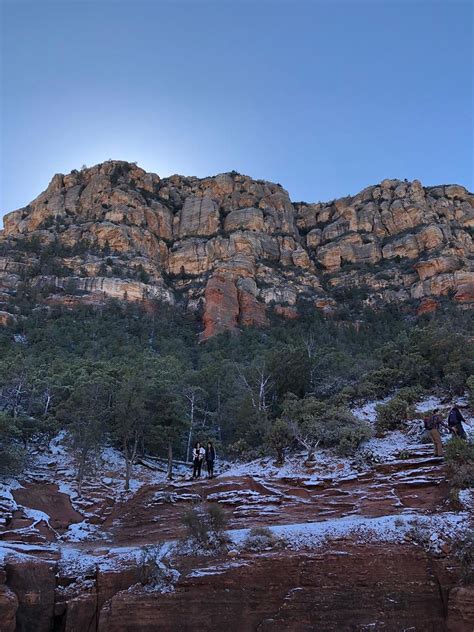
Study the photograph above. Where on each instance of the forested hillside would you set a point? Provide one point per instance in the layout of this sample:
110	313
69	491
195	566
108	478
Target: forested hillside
124	375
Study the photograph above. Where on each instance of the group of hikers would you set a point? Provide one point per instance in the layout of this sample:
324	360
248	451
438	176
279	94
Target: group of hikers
201	454
433	425
435	422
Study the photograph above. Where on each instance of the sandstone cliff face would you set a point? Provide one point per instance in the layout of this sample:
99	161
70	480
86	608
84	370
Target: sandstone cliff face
237	248
342	588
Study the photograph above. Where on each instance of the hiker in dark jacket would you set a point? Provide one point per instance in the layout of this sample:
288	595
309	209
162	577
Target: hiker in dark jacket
198	456
210	458
433	425
455	420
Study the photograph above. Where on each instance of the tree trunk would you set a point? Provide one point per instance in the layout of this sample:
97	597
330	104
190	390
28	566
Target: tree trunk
128	471
80	473
191	415
280	456
170	462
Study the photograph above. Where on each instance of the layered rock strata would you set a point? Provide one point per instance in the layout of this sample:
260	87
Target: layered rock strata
235	249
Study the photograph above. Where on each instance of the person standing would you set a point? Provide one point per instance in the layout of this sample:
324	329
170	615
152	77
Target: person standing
455	420
433	425
198	457
210	458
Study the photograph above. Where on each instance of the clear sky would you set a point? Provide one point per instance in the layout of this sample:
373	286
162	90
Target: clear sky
325	97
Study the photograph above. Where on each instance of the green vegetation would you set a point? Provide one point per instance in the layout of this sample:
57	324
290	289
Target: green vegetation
206	526
139	379
460	461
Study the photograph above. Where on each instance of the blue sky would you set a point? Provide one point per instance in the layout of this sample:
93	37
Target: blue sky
323	97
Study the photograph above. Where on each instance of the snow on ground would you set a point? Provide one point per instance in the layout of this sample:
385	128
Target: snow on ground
386	448
392	528
429	531
428	404
367	412
84	532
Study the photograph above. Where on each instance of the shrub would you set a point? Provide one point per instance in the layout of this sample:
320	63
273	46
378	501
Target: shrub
365	458
216	518
154	572
261	539
403	455
279	438
206	526
391	415
351	437
470	388
411	394
316	423
460	461
464	552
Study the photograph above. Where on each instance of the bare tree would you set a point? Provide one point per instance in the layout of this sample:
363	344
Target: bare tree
193	395
258	386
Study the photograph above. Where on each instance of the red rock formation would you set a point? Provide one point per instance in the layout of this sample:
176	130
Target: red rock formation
114	225
47	498
427	306
341	589
461	609
287	311
465	293
221	307
34	582
251	311
8	606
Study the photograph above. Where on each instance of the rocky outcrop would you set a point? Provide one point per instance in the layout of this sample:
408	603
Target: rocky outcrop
33	581
340	587
235	248
339	590
8	605
461	609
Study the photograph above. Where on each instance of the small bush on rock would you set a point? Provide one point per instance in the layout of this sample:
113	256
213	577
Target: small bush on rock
154	571
460	461
464	551
391	415
261	539
315	423
206	526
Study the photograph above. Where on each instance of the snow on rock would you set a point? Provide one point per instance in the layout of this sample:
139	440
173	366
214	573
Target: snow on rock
386	448
218	569
428	404
326	466
84	532
242	496
392	528
7	502
466	498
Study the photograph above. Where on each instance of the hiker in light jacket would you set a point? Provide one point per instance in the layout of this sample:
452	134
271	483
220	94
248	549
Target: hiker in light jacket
198	457
433	425
455	420
210	458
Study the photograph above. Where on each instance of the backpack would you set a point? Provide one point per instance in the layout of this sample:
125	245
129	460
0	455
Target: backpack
429	422
453	418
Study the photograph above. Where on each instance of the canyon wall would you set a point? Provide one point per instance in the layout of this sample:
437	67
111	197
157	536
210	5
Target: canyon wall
234	249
